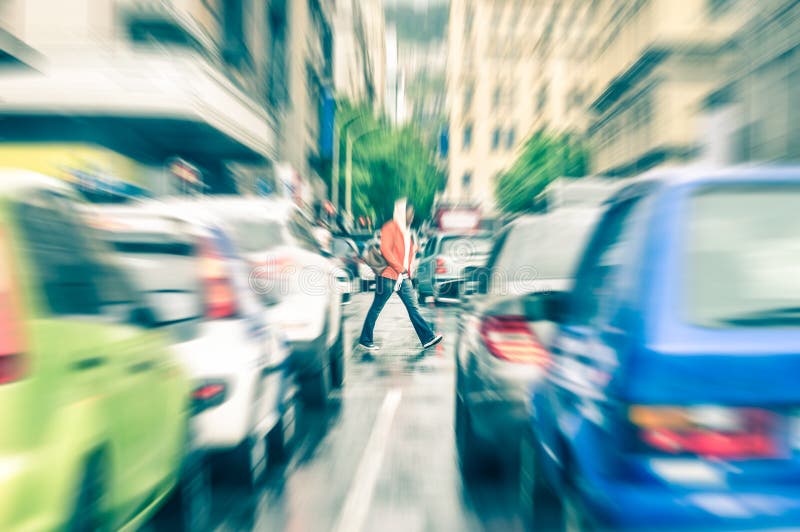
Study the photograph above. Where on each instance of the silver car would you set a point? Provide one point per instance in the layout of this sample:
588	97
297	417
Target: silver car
502	344
443	261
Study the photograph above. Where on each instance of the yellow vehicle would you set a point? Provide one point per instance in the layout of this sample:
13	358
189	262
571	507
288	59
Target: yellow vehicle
93	406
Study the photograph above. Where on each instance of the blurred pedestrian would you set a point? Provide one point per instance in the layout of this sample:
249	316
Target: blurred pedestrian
398	248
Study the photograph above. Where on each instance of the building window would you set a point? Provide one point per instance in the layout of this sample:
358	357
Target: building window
511	138
496	138
466	181
467	136
468	94
498	95
541	100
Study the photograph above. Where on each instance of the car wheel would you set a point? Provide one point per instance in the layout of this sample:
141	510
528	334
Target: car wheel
315	388
337	359
281	436
421	297
466	443
189	504
87	515
250	462
541	510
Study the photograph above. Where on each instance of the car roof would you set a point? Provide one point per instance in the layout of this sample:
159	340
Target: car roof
210	209
699	174
14	181
564	213
246	207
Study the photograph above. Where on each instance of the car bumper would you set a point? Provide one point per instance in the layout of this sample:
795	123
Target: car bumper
18	472
629	506
498	418
223	353
499	401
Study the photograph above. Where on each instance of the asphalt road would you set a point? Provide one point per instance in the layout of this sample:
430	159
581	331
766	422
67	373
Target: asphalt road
382	456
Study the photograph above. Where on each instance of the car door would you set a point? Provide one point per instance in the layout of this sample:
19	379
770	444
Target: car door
146	410
317	274
587	346
472	312
75	332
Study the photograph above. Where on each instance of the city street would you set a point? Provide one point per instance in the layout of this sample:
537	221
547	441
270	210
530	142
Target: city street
383	456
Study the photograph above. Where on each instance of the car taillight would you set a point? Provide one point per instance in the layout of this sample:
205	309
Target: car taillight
208	395
12	344
219	292
708	431
441	265
510	338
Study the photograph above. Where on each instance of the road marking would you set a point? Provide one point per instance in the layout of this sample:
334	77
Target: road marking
359	499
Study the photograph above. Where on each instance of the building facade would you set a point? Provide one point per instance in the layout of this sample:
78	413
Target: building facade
423	65
491	94
656	62
360	52
212	82
755	114
309	79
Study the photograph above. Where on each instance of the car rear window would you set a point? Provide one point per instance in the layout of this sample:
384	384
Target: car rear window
547	248
743	257
257	235
465	247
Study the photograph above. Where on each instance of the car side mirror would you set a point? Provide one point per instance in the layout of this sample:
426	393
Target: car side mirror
546	306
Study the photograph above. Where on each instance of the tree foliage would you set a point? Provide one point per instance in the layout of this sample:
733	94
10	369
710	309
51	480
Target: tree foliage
542	159
388	163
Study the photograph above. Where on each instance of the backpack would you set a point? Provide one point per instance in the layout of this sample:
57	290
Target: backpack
374	258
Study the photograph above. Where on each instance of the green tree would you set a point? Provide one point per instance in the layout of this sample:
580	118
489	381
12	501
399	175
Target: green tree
542	159
388	163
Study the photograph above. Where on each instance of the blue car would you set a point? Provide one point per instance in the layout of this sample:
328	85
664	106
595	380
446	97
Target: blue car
673	399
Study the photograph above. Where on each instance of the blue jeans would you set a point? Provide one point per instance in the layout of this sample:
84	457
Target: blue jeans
383	291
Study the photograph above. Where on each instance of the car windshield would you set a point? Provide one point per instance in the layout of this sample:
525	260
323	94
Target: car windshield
465	247
743	257
257	235
545	248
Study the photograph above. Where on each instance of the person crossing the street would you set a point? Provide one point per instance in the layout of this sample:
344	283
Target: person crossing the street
398	249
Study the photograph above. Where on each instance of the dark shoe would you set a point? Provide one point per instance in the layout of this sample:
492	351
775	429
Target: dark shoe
436	339
368	347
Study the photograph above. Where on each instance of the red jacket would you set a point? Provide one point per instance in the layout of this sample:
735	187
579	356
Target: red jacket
393	250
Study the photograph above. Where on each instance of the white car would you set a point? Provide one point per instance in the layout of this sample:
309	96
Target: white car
303	289
190	272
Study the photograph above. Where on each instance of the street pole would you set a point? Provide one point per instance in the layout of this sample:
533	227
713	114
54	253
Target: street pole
344	128
348	176
335	173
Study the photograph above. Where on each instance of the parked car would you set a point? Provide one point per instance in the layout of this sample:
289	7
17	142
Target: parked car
302	288
443	260
187	266
500	350
95	406
672	399
346	250
365	275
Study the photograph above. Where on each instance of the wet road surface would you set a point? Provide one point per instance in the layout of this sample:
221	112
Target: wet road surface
382	456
